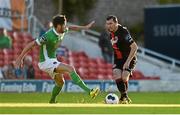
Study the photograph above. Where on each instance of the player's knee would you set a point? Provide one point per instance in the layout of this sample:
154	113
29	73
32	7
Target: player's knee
71	68
60	82
125	75
124	79
116	74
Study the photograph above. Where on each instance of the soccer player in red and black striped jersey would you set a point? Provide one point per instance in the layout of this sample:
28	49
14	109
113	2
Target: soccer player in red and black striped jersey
125	59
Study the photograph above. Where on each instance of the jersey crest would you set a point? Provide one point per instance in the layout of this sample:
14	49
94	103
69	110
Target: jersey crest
114	40
128	38
42	39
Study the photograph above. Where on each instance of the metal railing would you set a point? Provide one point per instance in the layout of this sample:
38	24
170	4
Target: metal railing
95	35
34	25
168	60
29	13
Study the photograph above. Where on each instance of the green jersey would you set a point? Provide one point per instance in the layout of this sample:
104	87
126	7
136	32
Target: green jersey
5	42
49	43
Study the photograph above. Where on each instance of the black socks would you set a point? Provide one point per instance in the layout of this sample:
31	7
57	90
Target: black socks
122	87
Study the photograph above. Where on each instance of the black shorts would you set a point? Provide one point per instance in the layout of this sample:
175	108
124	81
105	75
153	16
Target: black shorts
118	64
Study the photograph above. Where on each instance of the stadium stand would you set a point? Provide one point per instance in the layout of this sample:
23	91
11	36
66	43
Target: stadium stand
88	68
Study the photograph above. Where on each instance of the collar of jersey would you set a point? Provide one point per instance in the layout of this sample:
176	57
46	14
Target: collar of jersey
56	32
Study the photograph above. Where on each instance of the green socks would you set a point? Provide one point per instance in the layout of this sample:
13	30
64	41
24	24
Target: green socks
55	92
77	80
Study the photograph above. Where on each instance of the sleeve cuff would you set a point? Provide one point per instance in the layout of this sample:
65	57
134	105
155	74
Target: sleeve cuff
37	41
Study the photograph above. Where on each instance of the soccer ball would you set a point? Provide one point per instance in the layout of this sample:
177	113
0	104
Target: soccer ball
111	98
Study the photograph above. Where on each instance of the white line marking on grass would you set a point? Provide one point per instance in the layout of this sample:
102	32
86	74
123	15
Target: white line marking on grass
2	105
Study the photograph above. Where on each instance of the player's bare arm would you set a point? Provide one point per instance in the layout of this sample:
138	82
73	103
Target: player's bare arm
132	53
77	27
19	60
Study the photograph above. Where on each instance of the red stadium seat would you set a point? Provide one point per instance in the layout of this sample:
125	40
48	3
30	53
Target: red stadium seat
66	76
82	58
92	63
100	61
93	70
83	71
37	74
84	64
1	63
82	54
10	34
92	76
44	75
137	75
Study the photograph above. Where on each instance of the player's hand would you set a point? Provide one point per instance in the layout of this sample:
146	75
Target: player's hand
18	63
89	25
126	65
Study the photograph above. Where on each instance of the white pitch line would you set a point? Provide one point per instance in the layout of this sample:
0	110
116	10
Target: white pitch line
2	105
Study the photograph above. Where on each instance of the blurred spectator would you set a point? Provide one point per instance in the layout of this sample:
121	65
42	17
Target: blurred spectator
27	72
28	68
47	26
9	71
1	74
5	40
106	47
19	73
62	53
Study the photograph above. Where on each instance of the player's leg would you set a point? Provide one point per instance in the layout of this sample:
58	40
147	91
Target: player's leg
49	66
117	74
125	79
59	82
76	78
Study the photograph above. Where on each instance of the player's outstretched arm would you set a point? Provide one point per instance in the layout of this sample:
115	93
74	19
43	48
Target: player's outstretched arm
19	60
77	27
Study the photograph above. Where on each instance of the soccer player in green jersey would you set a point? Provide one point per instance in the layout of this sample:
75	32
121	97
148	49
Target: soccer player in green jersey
48	62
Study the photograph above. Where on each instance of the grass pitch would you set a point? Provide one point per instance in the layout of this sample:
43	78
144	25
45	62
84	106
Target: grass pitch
80	103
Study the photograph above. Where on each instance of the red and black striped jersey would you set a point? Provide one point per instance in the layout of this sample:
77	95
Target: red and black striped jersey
121	41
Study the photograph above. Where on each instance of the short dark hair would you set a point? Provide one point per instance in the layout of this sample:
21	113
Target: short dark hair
112	17
58	19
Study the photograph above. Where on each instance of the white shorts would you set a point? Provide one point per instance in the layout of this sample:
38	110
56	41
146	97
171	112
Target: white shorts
48	66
